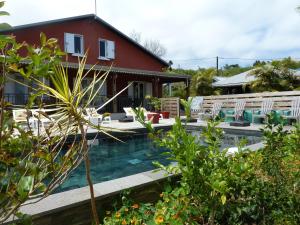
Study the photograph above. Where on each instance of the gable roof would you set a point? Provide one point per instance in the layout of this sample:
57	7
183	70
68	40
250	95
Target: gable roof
87	16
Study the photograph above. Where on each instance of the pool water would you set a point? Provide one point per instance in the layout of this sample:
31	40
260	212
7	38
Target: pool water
111	159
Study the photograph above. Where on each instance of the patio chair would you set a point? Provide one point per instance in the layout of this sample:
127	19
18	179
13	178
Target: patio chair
93	114
238	109
196	105
40	117
294	111
20	116
266	108
216	108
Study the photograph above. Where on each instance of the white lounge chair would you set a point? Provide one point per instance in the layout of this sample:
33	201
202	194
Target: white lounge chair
39	116
294	111
266	108
216	108
92	114
238	109
22	116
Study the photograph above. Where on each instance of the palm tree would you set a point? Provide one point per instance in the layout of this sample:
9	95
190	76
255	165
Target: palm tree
272	78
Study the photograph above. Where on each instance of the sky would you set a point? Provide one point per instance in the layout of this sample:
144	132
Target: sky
194	32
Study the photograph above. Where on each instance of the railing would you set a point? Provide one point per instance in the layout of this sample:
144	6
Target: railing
120	101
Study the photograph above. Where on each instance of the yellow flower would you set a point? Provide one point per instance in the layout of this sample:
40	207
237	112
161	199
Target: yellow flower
118	214
133	221
159	219
135	206
126	209
124	222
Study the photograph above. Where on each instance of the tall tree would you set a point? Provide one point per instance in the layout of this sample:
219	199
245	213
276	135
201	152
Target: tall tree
152	45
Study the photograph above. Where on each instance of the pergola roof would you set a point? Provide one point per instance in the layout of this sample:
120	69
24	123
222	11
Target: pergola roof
128	71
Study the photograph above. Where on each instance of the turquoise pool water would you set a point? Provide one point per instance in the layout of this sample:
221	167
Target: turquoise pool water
111	159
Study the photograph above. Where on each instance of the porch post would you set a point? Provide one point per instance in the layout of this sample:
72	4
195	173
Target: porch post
187	84
114	87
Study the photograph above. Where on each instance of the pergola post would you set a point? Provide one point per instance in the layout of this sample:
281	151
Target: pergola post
115	104
187	87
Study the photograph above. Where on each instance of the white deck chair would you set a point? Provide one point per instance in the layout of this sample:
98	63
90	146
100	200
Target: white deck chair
238	109
129	112
266	108
196	105
93	114
20	116
216	108
295	110
39	115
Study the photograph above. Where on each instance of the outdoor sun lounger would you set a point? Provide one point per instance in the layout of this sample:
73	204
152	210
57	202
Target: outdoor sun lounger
266	108
20	116
93	114
294	111
238	109
216	108
40	118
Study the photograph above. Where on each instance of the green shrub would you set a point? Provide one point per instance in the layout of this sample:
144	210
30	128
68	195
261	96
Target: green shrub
260	187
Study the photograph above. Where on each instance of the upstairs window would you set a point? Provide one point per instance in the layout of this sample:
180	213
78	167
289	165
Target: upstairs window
74	44
106	49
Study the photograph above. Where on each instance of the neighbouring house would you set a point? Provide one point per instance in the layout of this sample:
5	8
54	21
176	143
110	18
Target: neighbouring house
237	84
106	47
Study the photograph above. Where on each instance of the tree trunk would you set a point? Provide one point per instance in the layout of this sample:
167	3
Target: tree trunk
88	176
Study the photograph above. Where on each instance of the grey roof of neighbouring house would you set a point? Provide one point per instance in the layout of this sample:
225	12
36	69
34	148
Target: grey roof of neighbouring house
88	16
241	79
236	80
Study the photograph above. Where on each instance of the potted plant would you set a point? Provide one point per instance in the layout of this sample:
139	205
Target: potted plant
187	104
153	117
155	104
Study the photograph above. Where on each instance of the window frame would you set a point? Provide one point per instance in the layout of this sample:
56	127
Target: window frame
81	43
106	49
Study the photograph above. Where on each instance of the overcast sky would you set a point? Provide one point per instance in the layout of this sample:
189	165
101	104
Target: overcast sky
193	31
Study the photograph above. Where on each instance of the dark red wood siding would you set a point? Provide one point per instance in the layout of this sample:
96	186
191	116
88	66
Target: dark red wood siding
127	54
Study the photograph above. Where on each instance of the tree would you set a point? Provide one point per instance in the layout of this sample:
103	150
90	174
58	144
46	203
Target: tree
202	82
272	78
153	46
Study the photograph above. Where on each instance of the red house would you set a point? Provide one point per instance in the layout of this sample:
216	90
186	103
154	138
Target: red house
106	46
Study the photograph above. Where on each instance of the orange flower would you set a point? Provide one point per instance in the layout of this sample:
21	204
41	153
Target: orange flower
159	219
124	222
135	206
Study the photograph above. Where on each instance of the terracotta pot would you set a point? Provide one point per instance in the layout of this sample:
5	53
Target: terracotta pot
154	117
165	114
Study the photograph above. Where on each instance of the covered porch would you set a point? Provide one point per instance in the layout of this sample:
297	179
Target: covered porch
143	83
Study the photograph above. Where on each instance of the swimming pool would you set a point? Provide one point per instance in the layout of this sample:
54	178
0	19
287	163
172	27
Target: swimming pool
111	159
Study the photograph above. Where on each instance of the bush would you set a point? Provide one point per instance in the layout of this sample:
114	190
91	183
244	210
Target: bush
260	187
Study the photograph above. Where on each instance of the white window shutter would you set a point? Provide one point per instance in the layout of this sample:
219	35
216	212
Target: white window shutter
149	89
69	43
110	46
130	90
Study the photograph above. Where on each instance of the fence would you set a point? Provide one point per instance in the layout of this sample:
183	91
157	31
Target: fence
282	100
171	105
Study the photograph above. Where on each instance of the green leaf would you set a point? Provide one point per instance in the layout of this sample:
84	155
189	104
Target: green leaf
2	4
223	199
25	185
4	26
3	13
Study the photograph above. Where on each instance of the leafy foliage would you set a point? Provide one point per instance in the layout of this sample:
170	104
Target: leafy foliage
272	78
247	187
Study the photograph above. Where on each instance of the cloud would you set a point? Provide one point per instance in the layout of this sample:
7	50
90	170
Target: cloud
190	29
